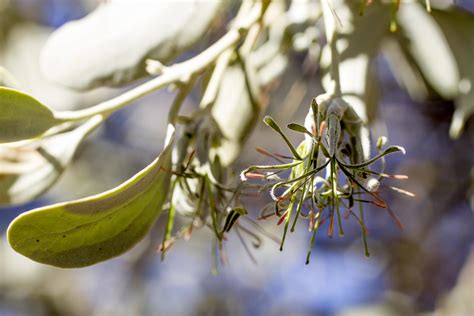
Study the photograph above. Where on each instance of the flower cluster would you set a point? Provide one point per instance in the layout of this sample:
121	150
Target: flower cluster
205	192
322	177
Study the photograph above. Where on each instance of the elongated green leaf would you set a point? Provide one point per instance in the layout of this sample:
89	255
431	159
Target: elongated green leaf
110	45
22	116
27	172
90	230
430	49
234	99
458	27
357	53
442	45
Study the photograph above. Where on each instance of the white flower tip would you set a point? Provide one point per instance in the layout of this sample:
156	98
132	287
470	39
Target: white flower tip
372	184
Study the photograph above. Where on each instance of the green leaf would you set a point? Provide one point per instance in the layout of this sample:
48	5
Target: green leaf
22	116
90	230
110	46
458	27
234	99
27	172
429	48
442	45
358	79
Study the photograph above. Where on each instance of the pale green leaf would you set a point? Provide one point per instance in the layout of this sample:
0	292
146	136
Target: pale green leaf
90	230
357	54
458	27
233	100
27	172
429	48
442	45
110	46
22	116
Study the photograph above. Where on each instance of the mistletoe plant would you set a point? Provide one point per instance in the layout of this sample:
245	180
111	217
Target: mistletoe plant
329	171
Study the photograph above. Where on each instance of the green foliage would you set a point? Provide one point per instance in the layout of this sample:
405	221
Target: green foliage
86	231
458	28
441	44
22	116
237	97
33	169
149	30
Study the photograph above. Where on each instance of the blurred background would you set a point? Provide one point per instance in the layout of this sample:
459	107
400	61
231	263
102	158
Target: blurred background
425	269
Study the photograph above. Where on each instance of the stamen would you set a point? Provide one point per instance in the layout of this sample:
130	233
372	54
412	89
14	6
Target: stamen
410	194
254	175
395	218
400	176
268	154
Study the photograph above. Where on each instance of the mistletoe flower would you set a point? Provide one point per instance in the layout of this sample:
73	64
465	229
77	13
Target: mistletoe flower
324	175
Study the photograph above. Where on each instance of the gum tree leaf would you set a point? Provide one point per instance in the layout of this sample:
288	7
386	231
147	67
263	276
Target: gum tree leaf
234	99
404	67
27	172
442	45
90	230
357	54
22	116
110	45
458	27
429	48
